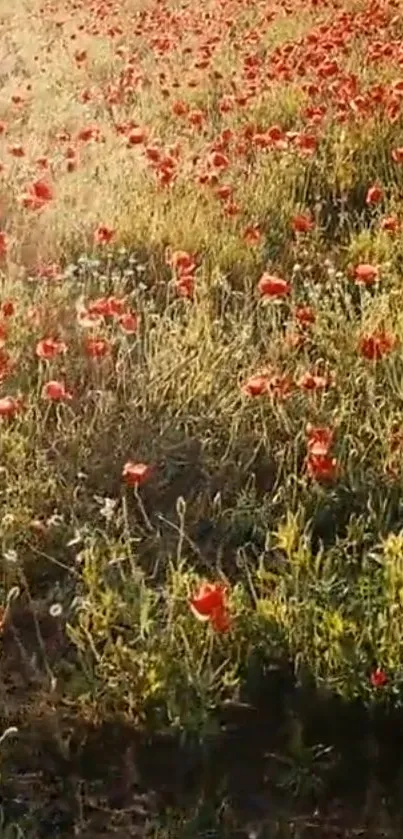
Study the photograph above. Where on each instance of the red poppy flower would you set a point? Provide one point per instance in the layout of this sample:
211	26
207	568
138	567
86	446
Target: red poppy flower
272	286
313	381
231	209
103	235
37	195
302	223
321	467
373	347
56	391
185	286
365	274
89	132
179	108
209	604
209	598
9	406
135	474
261	140
116	306
182	262
128	323
252	235
16	151
153	153
397	155
306	143
378	678
218	160
207	179
49	348
8	309
305	315
223	192
256	385
280	386
97	347
320	439
390	224
275	133
42	190
137	136
374	195
220	620
107	306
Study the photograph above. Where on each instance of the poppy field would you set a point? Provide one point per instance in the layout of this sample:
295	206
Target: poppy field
201	373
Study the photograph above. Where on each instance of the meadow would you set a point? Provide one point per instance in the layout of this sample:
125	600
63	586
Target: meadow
201	401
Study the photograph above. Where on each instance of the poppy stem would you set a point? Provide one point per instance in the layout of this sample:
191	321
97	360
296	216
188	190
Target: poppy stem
142	509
